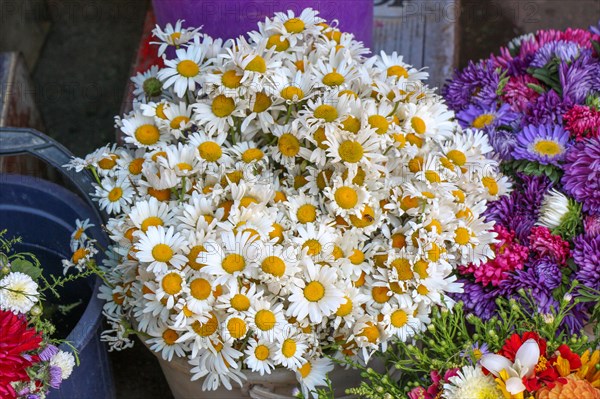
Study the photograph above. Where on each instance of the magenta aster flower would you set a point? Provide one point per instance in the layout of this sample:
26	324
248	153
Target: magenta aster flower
581	179
582	122
518	94
546	244
545	144
591	225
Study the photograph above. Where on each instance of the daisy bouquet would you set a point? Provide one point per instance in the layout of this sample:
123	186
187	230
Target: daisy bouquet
283	199
514	355
538	102
30	361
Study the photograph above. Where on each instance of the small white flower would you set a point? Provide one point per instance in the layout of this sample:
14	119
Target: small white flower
65	361
555	206
18	292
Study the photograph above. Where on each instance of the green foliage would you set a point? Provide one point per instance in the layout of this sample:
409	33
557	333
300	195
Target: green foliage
511	168
548	74
571	223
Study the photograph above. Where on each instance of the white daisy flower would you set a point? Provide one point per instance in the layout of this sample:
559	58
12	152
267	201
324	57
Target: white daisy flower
146	84
114	196
164	341
173	35
78	237
142	131
231	257
161	248
312	374
259	356
183	72
290	348
316	296
18	292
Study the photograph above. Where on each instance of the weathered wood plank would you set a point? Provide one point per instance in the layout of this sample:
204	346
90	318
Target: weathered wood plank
425	32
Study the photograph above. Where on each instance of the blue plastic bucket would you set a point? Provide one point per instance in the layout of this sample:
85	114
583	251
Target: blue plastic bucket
43	214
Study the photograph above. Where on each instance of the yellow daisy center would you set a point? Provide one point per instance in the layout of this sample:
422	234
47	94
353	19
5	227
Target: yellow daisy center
294	25
233	263
188	68
351	124
483	120
462	236
314	291
351	151
314	247
176	122
547	148
276	232
252	154
345	308
367	218
162	253
333	79
288	349
305	369
171	283
457	157
108	162
240	302
398	71
371	333
306	213
231	79
320	137
170	336
273	265
277	42
200	288
346	197
262	102
79	255
147	134
184	166
421	267
206	329
222	106
136	166
418	125
357	257
175	36
151	221
291	92
380	294
261	352
399	318
432	176
379	123
403	269
491	184
289	145
398	241
265	320
415	164
193	257
257	64
326	112
115	194
237	328
210	151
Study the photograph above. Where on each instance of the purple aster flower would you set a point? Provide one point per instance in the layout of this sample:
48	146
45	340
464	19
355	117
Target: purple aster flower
48	352
547	272
477	299
488	117
586	255
503	142
529	281
582	174
580	78
475	83
477	350
545	144
55	377
591	225
519	211
564	51
595	29
547	109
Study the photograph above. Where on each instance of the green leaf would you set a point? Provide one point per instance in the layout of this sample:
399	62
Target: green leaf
537	88
596	46
24	266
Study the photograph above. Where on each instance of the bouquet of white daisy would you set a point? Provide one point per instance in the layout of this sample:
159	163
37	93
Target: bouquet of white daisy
282	197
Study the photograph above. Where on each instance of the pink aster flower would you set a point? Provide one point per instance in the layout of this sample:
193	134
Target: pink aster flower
544	243
582	122
510	256
518	94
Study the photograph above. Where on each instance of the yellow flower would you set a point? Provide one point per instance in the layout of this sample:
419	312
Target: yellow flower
501	381
589	367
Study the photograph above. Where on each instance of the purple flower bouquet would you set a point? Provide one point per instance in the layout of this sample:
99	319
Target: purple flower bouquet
538	100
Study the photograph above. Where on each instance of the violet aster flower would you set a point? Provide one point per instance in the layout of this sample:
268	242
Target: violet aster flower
529	281
586	255
564	51
580	78
503	142
488	117
55	374
475	83
595	29
48	352
582	174
545	144
477	299
546	109
591	225
547	272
